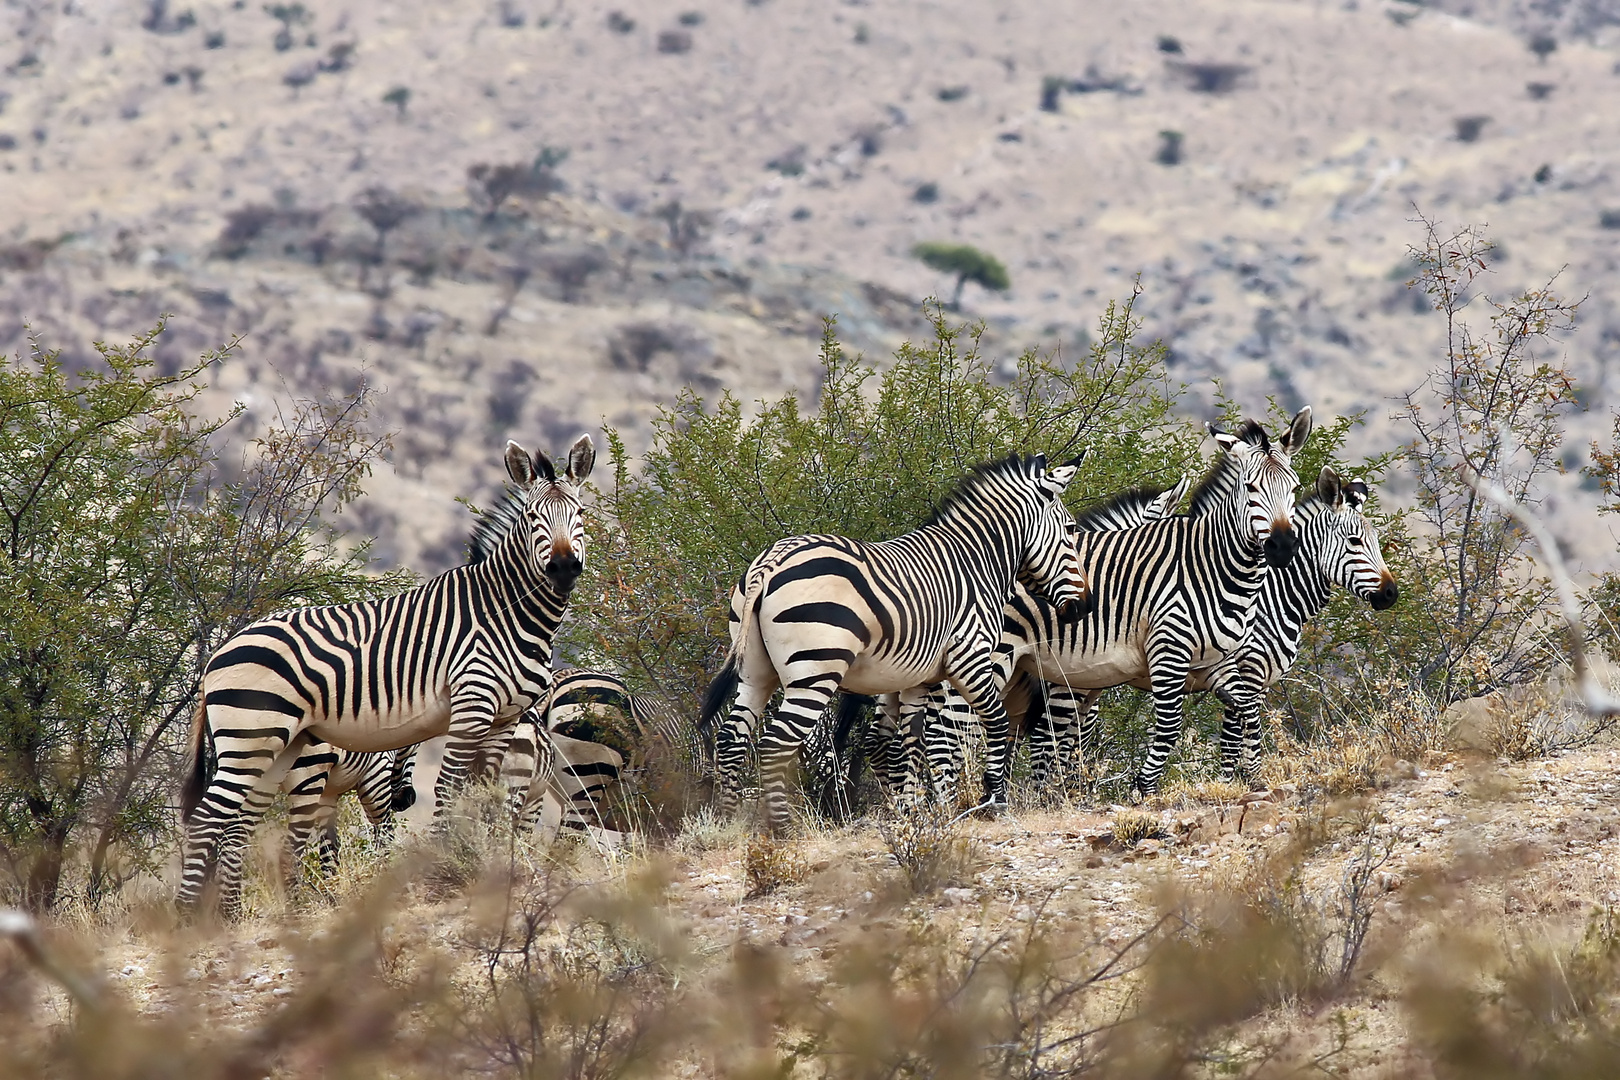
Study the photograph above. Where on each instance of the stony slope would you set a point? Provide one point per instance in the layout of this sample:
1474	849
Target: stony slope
736	171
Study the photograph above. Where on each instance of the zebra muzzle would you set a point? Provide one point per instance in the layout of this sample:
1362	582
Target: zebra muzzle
1385	597
1279	547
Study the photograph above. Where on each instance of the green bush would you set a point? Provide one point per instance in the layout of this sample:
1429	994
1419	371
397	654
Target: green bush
718	485
124	562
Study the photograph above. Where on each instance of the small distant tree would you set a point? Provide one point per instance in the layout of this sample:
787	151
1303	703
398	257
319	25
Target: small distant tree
968	263
399	97
289	16
385	211
124	562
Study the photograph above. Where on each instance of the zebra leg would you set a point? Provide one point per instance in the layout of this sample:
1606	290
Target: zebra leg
950	720
404	779
472	717
735	737
908	769
306	784
883	745
981	686
232	850
803	701
247	746
1048	728
1088	752
1168	677
376	793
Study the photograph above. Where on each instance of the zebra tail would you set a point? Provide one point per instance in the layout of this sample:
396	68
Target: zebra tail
197	771
719	693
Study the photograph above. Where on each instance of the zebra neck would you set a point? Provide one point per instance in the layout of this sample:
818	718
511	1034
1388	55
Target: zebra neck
1235	553
1306	587
509	581
984	549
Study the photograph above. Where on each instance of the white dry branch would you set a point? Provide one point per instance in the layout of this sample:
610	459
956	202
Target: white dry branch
1600	703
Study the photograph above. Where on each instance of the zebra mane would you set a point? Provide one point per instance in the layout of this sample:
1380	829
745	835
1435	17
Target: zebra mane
962	492
1218	482
1127	505
493	524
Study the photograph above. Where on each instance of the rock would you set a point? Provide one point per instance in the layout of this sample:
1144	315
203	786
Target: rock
1147	848
1257	815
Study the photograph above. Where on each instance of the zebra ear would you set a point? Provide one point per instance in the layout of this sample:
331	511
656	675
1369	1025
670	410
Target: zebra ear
1226	440
581	456
1061	476
1355	494
1330	489
1298	432
519	465
1075	461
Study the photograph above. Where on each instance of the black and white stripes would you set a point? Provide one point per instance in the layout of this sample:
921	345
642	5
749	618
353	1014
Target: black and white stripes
464	653
821	613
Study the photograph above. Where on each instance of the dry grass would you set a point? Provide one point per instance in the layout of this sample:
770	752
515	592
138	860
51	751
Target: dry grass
929	848
770	863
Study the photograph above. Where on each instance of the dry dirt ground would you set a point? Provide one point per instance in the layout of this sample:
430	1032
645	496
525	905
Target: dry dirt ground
737	170
1521	852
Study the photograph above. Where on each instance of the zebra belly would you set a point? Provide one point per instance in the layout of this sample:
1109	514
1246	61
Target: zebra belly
1099	670
388	731
870	675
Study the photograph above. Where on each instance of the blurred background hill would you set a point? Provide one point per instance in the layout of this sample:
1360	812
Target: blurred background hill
527	218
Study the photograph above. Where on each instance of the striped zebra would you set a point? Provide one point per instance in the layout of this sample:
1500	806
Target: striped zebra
579	774
464	653
321	776
1174	594
824	613
595	707
927	736
1337	546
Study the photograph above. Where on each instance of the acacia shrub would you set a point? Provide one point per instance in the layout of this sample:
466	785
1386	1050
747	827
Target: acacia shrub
125	560
882	444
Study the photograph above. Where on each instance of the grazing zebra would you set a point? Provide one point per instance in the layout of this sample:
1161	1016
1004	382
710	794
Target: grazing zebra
464	653
321	776
579	774
820	613
589	707
1337	546
1175	595
927	737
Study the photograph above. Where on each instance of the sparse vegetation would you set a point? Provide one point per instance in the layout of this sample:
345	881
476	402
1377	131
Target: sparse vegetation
399	97
1469	128
674	42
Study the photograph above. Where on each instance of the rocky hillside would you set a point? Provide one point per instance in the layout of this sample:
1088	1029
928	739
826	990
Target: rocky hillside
531	217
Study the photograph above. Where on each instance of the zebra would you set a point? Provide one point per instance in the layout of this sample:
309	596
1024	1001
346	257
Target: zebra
580	774
465	653
820	613
1337	546
1180	592
321	776
580	708
931	732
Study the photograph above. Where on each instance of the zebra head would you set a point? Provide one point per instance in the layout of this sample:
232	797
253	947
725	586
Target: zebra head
1349	552
1051	564
556	517
1268	481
